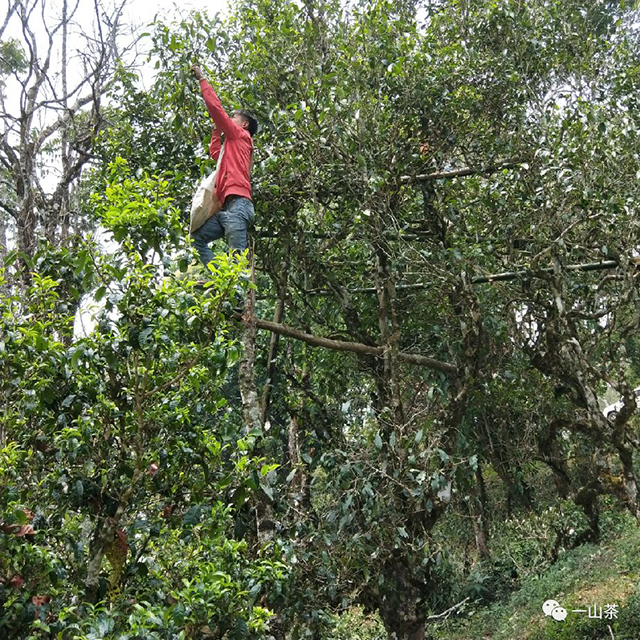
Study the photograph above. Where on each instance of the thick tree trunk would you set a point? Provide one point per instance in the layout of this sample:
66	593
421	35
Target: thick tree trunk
4	288
401	606
478	511
3	240
410	633
27	220
299	484
587	498
251	411
103	535
389	336
246	375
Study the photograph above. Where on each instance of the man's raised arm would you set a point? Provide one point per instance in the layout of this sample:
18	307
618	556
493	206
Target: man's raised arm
214	106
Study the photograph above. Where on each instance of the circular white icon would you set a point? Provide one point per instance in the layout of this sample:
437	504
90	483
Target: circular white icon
559	614
549	606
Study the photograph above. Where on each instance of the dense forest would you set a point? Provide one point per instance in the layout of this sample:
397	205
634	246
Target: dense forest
401	432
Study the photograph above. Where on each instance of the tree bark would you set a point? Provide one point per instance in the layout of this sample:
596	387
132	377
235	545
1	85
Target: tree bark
273	344
250	404
389	335
351	347
478	510
251	412
401	605
462	172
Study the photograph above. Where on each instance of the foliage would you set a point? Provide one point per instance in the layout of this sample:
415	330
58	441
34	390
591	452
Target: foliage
409	150
119	463
375	455
138	211
355	625
12	57
581	577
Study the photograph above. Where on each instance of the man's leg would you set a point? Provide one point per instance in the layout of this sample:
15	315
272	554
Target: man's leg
236	217
211	230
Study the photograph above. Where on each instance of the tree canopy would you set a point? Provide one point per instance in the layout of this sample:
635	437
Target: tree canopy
390	422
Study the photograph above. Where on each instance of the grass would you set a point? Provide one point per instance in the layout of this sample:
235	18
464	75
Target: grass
588	575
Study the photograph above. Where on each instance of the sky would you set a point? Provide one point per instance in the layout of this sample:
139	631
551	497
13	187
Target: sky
137	13
144	11
141	13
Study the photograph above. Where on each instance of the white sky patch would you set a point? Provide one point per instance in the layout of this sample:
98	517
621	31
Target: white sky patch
83	30
138	15
142	14
145	12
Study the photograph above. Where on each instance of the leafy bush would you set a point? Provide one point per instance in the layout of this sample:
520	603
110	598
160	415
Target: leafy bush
355	624
529	545
120	477
628	622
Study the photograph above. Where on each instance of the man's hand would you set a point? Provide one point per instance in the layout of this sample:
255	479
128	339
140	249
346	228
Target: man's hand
196	71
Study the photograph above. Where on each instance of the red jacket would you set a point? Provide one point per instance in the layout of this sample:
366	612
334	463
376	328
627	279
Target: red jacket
235	168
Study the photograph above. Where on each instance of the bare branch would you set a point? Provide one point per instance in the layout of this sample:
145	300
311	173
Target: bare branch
496	277
350	347
10	210
62	121
10	11
462	172
445	614
13	162
514	275
5	162
30	41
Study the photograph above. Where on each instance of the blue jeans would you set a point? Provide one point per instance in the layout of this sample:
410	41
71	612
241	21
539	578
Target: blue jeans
232	222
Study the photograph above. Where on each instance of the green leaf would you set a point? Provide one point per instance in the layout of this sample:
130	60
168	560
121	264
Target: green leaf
268	490
218	576
192	516
20	517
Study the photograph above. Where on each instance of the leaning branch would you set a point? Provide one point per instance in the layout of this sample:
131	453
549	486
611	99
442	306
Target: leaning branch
63	120
496	277
462	172
10	210
350	347
10	11
445	614
514	275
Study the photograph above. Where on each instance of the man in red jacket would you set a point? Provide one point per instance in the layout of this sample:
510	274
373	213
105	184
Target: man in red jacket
233	182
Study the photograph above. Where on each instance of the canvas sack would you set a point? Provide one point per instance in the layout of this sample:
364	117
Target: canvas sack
205	202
